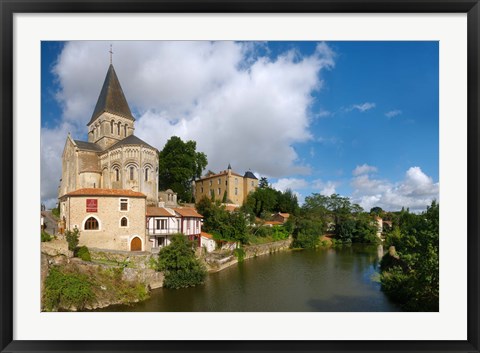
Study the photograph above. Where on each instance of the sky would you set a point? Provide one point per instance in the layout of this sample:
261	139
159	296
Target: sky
360	119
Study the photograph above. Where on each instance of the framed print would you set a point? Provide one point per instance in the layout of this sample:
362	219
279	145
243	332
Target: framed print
246	176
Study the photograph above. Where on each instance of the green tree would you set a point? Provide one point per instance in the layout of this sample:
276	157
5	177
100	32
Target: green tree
179	165
181	267
72	238
263	183
287	201
414	284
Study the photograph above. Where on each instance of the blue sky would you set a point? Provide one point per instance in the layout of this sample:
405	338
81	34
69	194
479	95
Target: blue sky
355	118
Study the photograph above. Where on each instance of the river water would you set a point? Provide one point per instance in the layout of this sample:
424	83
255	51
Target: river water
325	280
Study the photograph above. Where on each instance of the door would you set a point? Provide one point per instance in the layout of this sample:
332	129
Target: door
136	244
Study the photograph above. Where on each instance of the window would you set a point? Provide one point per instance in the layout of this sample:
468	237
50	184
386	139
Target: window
117	174
124	222
219	191
146	174
252	184
201	189
131	172
111	127
118	129
236	191
219	181
210	183
125	130
236	181
123	204
226	182
161	224
91	224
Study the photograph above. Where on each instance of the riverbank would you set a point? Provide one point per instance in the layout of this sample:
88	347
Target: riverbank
71	284
115	277
219	261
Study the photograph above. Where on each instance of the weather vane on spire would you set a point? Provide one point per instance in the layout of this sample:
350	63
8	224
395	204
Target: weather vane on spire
111	53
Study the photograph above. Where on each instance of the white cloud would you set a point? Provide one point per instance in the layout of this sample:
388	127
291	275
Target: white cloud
325	188
364	169
290	183
362	107
393	113
416	191
239	106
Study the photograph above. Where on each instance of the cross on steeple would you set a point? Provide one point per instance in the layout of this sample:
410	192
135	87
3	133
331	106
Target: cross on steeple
111	53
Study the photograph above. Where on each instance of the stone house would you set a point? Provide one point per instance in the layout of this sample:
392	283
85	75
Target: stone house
226	185
106	218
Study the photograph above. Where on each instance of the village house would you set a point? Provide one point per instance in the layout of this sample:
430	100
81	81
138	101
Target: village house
226	186
280	217
106	218
163	222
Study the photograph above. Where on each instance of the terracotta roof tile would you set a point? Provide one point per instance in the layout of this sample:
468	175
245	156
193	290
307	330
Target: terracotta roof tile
159	211
206	235
105	192
187	212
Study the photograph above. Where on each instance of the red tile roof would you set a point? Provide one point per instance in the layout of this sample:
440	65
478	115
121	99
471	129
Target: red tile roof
206	235
285	215
159	212
231	208
105	192
187	212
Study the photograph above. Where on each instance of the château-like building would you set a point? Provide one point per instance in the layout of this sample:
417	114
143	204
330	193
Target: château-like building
226	186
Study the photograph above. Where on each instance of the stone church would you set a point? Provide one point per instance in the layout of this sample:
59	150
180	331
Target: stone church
108	181
113	157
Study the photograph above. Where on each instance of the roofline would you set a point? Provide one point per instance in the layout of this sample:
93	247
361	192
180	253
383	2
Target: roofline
220	174
89	194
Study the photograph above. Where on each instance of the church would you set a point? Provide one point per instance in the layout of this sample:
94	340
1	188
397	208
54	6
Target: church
113	157
108	181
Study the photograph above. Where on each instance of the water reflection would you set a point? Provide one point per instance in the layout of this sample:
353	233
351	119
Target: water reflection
323	280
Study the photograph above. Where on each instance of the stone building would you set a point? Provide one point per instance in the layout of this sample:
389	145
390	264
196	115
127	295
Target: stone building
113	157
107	218
227	186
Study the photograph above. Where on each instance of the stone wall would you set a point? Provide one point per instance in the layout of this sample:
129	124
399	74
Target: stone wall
218	261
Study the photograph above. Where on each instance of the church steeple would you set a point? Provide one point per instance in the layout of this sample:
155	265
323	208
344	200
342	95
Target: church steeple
111	98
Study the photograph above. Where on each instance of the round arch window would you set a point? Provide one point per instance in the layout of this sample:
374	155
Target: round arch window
124	222
91	224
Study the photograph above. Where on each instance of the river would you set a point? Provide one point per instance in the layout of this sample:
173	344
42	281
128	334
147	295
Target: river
324	280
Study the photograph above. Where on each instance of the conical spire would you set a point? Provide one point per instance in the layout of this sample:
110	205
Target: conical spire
111	98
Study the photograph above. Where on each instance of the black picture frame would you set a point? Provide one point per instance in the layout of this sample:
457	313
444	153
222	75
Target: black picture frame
9	8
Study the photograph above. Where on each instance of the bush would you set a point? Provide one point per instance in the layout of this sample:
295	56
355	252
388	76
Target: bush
306	234
83	253
181	267
45	236
239	254
72	238
65	290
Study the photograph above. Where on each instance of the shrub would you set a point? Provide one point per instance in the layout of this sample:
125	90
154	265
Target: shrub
181	267
83	253
66	290
239	254
45	236
72	238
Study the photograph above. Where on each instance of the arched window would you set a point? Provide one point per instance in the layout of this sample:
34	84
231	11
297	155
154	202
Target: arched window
124	222
111	127
117	174
131	173
146	173
125	130
91	224
118	129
